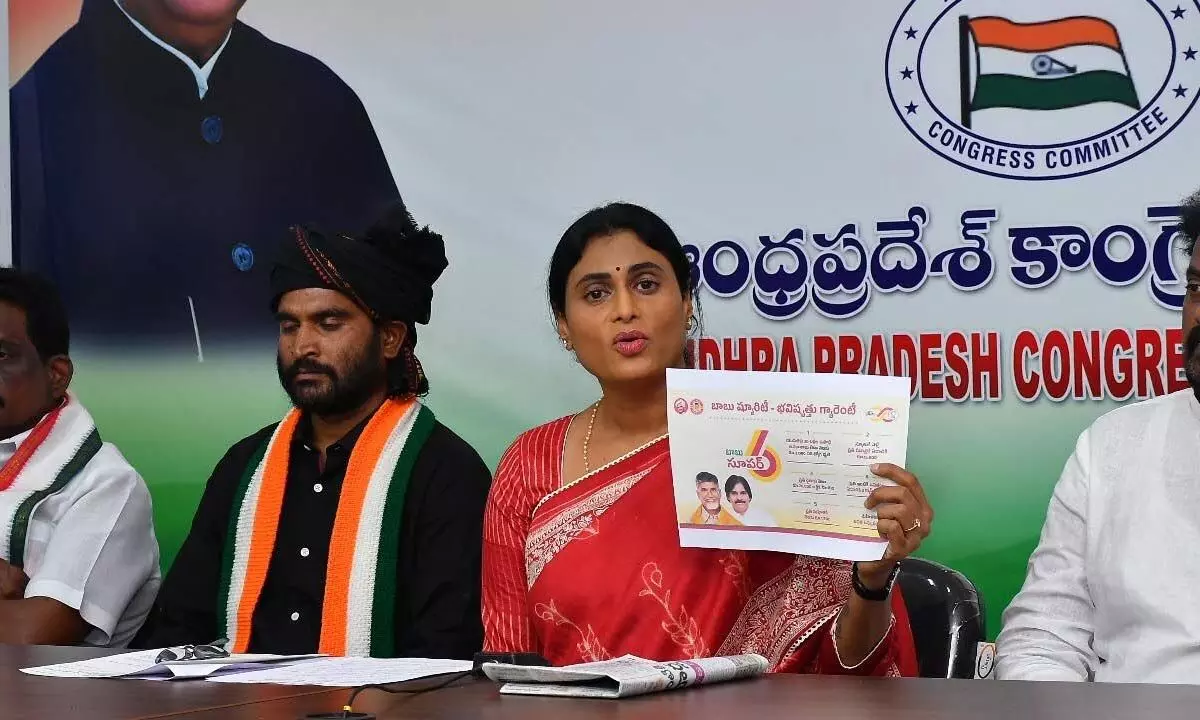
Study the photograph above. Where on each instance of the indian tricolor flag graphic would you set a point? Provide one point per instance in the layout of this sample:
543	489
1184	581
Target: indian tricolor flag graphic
1044	65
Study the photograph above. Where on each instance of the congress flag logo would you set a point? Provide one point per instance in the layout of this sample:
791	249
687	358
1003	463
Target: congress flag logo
1031	90
1043	66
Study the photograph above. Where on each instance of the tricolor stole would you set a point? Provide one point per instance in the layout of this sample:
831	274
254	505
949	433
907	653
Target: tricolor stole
358	615
57	448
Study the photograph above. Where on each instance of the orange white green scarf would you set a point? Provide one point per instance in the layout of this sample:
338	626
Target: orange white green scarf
358	615
53	453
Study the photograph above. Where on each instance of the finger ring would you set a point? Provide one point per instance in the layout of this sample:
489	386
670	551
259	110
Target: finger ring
916	525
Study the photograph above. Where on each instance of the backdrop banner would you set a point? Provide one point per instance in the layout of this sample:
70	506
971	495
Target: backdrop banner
980	195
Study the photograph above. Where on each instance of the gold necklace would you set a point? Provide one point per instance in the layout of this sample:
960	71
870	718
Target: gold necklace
587	438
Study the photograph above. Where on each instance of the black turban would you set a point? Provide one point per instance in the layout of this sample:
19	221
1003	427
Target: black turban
389	272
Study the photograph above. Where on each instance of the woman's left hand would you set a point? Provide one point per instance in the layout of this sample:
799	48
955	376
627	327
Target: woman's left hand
905	518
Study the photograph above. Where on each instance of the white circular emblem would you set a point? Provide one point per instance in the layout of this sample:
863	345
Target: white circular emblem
1027	91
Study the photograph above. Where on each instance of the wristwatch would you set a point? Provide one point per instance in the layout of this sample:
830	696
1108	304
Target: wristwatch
867	593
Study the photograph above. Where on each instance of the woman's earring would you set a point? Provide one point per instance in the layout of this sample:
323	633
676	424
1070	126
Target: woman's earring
690	324
566	344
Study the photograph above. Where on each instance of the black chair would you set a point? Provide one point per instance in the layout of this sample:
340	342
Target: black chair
947	617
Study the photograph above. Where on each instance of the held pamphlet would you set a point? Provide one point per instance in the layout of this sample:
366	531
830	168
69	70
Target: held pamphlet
623	677
781	461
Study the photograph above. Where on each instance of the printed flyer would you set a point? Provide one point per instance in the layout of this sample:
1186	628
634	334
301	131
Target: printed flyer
782	461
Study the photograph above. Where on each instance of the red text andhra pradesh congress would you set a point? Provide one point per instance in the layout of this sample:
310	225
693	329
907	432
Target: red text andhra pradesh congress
1058	364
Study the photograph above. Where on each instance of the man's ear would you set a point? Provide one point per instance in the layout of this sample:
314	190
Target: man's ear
60	369
392	335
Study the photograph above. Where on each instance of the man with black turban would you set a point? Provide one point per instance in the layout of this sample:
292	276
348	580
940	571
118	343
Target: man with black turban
354	526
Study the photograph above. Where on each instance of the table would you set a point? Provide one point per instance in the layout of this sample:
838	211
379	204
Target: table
778	696
28	697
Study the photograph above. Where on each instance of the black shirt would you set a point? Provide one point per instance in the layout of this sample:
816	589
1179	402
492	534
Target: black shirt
145	202
438	584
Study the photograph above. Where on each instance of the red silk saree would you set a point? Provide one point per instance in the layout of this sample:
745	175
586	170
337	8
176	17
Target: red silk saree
592	569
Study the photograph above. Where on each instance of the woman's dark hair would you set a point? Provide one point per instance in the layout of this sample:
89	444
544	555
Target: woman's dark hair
605	221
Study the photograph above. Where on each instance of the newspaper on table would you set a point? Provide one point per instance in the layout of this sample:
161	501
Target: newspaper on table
783	461
623	677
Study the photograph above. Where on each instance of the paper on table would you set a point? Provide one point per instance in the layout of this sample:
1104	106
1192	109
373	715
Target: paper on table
102	667
203	670
794	450
141	665
349	672
623	677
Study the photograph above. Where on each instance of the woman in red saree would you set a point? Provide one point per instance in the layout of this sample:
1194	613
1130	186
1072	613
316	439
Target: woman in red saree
581	551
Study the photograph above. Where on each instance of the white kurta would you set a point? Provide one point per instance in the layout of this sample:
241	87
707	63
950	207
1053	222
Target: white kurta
92	546
1113	587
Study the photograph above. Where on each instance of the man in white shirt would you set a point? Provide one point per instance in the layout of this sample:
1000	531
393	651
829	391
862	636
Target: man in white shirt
1113	586
78	556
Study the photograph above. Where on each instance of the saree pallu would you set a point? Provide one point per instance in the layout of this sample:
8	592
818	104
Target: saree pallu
592	570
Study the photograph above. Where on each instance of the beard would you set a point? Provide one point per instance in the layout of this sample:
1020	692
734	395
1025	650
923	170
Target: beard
345	391
1191	359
